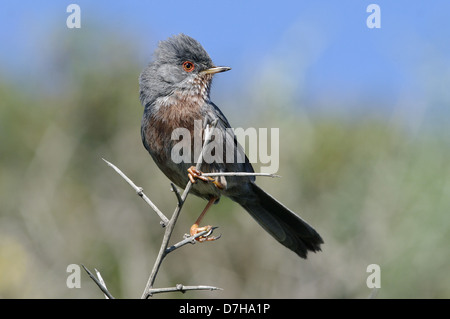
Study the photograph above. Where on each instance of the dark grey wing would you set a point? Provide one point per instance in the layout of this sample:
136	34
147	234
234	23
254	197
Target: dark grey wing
234	155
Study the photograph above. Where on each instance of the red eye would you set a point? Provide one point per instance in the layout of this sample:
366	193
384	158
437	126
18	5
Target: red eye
188	66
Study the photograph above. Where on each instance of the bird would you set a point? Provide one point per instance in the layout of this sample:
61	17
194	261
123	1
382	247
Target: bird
174	90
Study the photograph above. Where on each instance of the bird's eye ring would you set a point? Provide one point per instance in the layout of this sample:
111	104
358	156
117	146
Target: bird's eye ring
188	66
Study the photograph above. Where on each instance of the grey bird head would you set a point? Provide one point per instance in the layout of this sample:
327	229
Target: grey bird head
181	65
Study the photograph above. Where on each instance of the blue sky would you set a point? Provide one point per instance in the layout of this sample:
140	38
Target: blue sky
317	46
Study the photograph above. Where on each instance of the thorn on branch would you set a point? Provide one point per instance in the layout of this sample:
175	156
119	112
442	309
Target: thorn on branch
177	194
181	288
239	174
140	192
169	226
99	282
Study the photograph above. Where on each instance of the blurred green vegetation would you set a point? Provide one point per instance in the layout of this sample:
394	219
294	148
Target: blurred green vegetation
378	193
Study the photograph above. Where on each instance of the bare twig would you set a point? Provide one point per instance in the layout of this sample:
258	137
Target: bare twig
177	193
240	174
100	278
181	288
171	225
188	240
140	192
100	283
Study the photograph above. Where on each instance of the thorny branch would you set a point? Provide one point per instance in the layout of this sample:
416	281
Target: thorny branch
169	229
170	225
140	192
100	283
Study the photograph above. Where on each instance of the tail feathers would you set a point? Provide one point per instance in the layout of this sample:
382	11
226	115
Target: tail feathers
283	224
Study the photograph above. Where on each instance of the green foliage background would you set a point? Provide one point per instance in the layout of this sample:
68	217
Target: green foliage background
375	184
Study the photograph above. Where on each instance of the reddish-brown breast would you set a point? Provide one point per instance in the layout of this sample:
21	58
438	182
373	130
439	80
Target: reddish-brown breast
175	111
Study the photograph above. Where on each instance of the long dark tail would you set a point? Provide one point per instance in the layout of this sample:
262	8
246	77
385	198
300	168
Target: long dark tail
284	225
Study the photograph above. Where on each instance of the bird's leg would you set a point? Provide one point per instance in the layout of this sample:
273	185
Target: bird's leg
195	229
194	174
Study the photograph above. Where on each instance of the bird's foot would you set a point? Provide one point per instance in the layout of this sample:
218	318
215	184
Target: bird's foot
194	173
195	229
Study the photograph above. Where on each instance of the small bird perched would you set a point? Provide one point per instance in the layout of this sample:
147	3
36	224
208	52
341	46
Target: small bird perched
174	90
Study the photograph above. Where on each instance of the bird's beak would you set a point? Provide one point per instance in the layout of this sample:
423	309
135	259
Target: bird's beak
216	69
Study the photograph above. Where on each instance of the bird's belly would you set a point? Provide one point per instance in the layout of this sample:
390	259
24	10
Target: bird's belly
171	154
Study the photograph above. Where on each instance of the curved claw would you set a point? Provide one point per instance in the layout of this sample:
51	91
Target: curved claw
206	237
194	174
